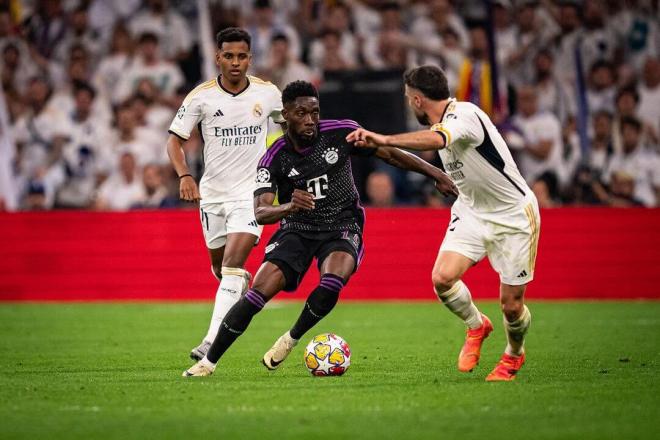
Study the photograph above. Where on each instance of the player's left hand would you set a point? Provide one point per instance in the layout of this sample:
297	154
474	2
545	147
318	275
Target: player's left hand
445	185
367	139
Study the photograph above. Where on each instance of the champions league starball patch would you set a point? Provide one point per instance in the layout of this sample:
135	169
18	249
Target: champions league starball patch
181	112
263	175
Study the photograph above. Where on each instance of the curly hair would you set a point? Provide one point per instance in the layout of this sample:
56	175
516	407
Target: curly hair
297	89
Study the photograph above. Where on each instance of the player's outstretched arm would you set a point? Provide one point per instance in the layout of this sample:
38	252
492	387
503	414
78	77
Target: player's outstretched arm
267	214
408	161
417	140
188	190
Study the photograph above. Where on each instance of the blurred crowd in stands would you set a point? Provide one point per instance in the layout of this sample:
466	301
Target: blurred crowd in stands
90	88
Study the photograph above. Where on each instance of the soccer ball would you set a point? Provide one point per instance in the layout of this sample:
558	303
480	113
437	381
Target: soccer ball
327	355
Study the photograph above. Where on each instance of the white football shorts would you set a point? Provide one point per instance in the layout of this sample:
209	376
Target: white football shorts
509	239
220	219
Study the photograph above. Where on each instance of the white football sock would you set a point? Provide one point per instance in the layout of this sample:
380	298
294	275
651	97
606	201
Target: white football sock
515	333
459	301
234	283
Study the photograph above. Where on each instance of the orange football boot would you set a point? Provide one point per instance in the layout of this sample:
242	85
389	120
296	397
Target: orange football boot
469	355
506	368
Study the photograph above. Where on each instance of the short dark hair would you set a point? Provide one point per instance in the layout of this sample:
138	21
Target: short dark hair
632	122
280	36
627	90
390	6
81	86
148	37
232	35
297	89
430	80
601	64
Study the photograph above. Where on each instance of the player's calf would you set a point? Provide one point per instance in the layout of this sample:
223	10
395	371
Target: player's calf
459	301
319	303
235	323
516	330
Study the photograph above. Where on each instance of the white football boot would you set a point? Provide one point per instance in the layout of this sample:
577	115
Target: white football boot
279	351
199	370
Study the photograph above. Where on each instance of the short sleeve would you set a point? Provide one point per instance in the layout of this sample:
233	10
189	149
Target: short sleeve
276	106
187	117
461	127
266	181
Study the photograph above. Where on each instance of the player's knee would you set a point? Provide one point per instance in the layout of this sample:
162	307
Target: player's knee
443	280
236	271
512	309
216	270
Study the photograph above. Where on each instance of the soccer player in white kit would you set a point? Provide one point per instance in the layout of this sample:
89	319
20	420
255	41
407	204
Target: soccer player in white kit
231	113
495	215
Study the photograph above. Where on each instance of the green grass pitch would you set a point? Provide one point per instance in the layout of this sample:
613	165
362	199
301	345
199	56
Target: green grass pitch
94	371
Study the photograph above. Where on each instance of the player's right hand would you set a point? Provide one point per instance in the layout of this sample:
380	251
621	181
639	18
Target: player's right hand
301	199
188	190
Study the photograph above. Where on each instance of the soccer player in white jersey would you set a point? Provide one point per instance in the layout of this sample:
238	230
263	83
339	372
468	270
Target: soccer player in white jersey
231	112
495	215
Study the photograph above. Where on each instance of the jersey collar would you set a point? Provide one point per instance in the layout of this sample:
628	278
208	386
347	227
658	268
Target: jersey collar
288	144
444	111
217	80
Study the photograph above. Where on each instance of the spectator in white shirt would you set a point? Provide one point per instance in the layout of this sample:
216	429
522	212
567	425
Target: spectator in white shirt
333	60
283	67
78	32
114	65
384	49
541	131
165	75
170	28
335	18
155	191
649	93
637	161
555	96
39	133
142	142
263	28
85	156
602	86
123	189
598	41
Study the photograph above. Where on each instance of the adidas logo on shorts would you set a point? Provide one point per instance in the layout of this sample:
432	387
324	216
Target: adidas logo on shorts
522	274
253	223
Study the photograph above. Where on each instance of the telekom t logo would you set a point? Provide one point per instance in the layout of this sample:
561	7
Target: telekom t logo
318	186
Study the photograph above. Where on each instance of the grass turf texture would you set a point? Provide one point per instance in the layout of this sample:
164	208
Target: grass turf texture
113	371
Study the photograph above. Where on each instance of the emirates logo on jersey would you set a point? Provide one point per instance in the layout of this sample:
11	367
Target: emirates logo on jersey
257	111
331	156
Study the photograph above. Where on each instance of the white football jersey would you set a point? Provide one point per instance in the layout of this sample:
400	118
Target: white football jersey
478	160
233	129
